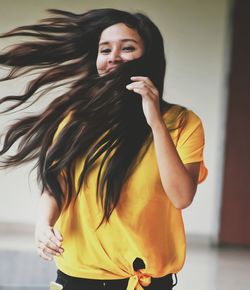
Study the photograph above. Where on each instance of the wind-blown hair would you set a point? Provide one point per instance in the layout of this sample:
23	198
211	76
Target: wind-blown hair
105	118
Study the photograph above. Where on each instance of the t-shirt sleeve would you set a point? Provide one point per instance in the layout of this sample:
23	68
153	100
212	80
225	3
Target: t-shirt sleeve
190	144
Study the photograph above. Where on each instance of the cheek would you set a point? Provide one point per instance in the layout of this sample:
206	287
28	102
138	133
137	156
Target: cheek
100	63
139	53
132	56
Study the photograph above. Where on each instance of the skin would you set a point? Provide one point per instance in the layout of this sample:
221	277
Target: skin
119	43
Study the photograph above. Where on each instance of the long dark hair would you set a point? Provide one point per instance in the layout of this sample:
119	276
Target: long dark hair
105	118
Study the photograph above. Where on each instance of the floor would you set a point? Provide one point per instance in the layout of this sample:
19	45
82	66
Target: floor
206	267
210	268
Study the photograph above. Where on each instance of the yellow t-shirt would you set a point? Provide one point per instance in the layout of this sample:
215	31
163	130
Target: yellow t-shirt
144	224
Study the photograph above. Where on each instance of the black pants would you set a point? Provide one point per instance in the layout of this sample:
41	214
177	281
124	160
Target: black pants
72	283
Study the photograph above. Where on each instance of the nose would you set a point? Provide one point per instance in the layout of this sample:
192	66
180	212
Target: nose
115	56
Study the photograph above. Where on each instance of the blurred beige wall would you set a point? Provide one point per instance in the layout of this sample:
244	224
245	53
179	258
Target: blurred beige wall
197	51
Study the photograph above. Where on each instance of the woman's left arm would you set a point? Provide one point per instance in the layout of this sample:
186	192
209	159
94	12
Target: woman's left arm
179	181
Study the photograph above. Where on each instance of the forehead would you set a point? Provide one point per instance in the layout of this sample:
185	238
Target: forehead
118	32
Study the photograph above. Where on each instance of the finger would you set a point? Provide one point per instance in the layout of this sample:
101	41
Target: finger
41	253
141	92
49	251
48	239
58	235
49	245
144	86
143	79
142	83
137	85
50	234
139	78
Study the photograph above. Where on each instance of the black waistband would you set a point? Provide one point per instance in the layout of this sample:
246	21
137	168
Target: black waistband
64	279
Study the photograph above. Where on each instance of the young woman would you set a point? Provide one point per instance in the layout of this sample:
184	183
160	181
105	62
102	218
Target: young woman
116	162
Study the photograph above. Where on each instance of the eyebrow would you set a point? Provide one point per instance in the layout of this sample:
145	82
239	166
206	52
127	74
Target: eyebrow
123	40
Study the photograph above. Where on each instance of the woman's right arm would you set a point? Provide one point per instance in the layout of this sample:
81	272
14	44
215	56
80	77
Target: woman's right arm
48	239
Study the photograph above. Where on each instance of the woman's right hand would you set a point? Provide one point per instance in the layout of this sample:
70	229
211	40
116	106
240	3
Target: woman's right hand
48	241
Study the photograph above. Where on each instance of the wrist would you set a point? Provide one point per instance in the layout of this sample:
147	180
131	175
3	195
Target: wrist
44	224
158	125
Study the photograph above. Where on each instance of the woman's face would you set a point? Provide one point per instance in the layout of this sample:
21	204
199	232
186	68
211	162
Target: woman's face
118	43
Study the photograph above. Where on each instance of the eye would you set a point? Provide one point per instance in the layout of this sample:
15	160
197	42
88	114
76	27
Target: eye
105	50
128	48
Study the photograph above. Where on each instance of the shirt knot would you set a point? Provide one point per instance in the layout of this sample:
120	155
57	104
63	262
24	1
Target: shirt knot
138	280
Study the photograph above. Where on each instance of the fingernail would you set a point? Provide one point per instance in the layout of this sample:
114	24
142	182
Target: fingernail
61	250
